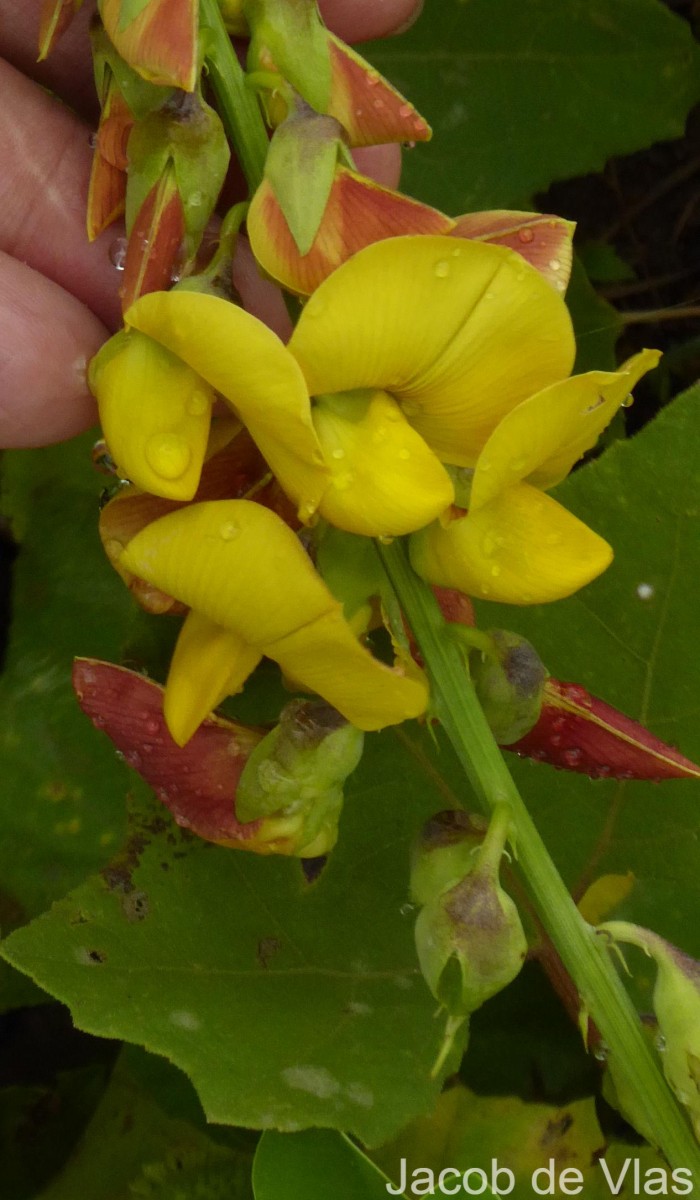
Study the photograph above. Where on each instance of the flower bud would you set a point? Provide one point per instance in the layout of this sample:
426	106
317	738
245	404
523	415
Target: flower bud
298	771
469	938
444	852
509	685
676	1003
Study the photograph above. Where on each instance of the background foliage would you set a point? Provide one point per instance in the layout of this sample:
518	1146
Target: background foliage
289	1004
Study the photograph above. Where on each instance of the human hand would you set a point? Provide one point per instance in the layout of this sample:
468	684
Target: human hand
58	293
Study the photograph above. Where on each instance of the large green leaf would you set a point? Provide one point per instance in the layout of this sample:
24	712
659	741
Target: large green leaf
287	1004
61	798
631	638
318	1162
520	94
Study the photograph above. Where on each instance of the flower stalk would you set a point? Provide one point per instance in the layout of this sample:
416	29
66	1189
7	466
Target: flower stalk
602	994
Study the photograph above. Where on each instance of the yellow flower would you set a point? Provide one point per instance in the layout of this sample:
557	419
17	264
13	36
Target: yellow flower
417	352
253	591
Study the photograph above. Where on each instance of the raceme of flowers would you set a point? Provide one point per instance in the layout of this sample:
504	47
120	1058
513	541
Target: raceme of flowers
415	356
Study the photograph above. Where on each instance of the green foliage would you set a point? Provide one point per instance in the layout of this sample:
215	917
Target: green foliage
314	1163
629	638
286	1003
520	94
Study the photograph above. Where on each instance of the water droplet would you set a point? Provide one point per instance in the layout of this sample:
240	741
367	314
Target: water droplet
404	454
517	464
93	140
408	145
378	103
406	909
152	725
117	253
485	589
379	435
489	295
601	1053
195	199
628	401
660	1043
229	530
554	264
572	758
555	739
645	591
489	545
342	482
385	539
526	235
372	78
133	759
307	510
337	453
120	755
558	724
495	572
197	404
442	269
405	110
168	454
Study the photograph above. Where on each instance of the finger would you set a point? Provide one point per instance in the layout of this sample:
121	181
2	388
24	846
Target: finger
46	156
381	163
46	339
360	20
68	70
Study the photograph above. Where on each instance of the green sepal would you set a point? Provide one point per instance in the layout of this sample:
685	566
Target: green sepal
187	133
350	568
292	33
142	97
509	684
443	853
300	168
299	769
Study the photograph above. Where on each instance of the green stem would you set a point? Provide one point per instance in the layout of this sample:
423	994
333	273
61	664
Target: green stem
238	105
584	955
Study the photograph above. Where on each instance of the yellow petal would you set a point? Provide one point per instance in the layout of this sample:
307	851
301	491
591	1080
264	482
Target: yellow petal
235	562
249	365
521	548
208	664
384	479
543	437
155	414
460	332
325	657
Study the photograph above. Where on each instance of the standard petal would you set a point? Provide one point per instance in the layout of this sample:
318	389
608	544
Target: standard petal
249	365
460	332
155	413
385	481
236	563
546	242
522	548
160	42
325	657
208	664
543	437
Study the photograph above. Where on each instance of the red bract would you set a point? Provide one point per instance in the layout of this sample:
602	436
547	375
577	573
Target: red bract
196	782
579	732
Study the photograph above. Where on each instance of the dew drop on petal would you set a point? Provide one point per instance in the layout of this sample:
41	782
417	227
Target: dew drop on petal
385	539
228	531
404	454
645	591
525	236
442	269
378	103
405	110
117	253
93	140
572	758
337	453
408	145
197	404
628	401
495	572
168	454
342	482
554	264
372	78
